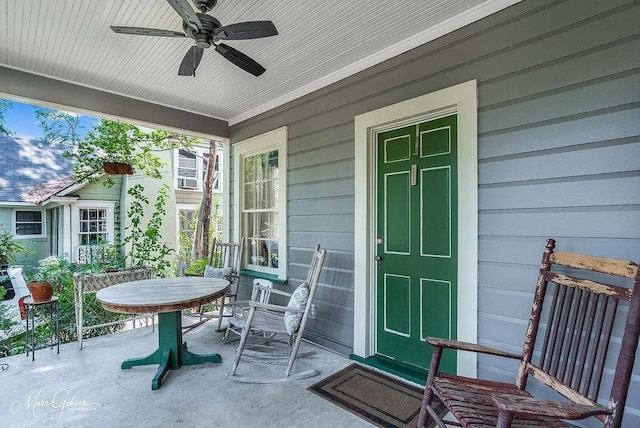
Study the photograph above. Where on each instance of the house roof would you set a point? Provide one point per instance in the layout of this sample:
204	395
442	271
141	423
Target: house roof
318	43
32	170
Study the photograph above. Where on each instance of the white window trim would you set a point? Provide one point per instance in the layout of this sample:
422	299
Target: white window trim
273	140
461	99
13	224
199	151
75	222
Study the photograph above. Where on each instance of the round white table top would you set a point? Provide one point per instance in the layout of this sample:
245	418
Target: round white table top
161	294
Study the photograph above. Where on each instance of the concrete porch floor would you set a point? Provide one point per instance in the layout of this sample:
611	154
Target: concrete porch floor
80	388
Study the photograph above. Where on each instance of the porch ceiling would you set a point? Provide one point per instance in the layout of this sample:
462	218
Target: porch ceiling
318	43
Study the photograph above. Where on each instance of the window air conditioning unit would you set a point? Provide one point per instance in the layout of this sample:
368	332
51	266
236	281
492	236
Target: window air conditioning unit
187	183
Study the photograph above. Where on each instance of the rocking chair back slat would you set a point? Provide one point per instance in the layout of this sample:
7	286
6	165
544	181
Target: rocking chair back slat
582	313
573	341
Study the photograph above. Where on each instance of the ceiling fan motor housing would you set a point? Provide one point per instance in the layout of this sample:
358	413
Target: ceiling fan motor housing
205	5
204	38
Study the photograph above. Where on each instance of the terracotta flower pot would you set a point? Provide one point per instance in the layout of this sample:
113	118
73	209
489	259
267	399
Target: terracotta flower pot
40	291
114	168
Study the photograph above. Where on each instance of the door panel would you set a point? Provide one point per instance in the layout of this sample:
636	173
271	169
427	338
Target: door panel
397	213
417	240
397	297
435	207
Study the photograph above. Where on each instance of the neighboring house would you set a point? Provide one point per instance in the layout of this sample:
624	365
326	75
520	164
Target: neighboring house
43	206
190	172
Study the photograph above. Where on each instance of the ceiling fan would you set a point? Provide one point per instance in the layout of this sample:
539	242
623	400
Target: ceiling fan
206	32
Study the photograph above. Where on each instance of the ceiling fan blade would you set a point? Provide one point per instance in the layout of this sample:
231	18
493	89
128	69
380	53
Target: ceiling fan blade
147	31
246	30
240	59
186	12
190	61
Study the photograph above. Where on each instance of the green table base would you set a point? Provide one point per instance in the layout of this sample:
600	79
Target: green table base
172	353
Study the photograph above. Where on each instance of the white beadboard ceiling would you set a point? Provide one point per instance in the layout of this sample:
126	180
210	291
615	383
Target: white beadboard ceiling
319	42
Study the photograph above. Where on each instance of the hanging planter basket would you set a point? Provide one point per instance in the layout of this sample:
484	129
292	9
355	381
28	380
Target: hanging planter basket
115	168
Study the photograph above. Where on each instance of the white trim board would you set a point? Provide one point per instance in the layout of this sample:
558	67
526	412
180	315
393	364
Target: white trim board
462	100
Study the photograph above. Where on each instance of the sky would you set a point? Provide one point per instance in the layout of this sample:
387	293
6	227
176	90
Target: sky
21	120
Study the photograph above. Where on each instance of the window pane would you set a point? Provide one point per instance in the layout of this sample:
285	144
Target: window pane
28	216
260	196
249	172
29	229
187	173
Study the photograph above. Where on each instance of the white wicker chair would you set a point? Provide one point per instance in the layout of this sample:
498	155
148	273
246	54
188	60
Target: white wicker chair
84	284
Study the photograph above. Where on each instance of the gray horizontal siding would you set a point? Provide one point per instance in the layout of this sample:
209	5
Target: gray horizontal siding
558	150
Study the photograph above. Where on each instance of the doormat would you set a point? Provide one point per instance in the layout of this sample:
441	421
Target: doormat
382	400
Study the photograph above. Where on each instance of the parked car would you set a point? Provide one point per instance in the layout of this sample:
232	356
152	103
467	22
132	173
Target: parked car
13	281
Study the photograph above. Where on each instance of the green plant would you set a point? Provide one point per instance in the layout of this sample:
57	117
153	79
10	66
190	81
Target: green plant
147	249
58	272
111	141
197	268
9	248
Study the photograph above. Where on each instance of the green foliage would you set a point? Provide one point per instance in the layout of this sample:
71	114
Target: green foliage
58	126
146	248
4	106
197	268
111	141
60	274
185	249
9	248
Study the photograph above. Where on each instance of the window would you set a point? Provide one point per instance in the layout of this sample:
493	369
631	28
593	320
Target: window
187	170
92	228
260	201
28	223
192	169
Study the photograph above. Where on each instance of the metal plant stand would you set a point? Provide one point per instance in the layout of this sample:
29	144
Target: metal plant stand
54	314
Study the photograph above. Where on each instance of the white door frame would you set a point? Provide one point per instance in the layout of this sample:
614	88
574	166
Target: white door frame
462	100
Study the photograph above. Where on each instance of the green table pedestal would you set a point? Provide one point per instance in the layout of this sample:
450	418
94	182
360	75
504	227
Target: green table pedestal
172	353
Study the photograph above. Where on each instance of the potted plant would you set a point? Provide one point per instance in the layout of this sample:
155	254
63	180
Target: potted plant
51	272
41	290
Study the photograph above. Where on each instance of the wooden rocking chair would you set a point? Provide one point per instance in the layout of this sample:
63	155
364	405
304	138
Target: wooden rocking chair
261	293
569	355
225	263
287	320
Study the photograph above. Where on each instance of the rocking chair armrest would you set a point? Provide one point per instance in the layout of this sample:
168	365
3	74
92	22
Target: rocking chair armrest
276	308
472	347
554	409
271	290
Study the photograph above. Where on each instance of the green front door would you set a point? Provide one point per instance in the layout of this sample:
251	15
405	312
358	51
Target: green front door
417	239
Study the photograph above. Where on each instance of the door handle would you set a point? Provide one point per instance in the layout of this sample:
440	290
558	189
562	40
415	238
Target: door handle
379	262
